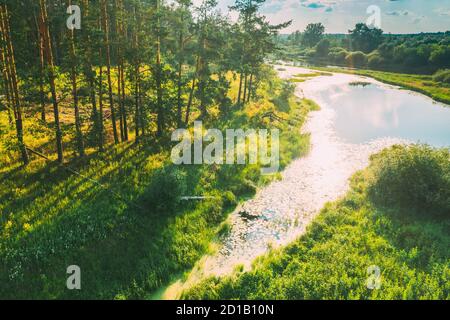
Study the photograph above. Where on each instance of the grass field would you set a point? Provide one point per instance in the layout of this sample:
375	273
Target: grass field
122	220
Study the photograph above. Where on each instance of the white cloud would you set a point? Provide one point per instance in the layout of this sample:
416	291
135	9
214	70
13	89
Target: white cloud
339	16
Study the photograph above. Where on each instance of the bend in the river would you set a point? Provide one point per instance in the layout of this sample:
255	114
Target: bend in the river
353	123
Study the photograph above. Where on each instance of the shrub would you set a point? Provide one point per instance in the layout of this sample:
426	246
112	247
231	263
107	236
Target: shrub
167	187
442	76
310	53
229	200
356	59
414	178
213	209
281	101
337	55
322	48
375	60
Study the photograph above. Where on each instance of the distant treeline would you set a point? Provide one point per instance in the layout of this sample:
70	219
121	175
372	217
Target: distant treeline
365	46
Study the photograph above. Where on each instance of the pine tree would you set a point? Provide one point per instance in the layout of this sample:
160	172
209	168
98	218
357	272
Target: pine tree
45	34
107	45
9	65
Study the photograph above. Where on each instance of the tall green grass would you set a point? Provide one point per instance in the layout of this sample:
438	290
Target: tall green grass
408	241
122	221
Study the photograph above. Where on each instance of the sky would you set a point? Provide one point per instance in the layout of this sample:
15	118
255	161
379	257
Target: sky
338	16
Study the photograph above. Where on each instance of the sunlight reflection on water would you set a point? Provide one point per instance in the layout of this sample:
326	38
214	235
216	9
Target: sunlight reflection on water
344	133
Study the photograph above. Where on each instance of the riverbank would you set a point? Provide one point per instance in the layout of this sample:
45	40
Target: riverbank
130	235
280	212
353	239
420	83
322	176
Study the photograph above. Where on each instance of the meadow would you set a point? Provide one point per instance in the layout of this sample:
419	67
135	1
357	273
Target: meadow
121	218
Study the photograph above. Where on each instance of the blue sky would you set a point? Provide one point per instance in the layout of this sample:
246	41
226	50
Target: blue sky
397	16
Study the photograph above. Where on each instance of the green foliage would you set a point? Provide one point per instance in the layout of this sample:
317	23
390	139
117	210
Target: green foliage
323	47
337	55
442	76
414	179
312	34
375	60
130	235
331	259
164	193
365	38
410	56
356	59
413	53
440	56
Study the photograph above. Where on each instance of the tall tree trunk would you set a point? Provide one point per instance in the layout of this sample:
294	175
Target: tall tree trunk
119	98
250	84
10	116
74	78
201	92
124	111
90	75
244	98
8	102
191	93
180	74
7	89
10	64
100	103
181	46
158	75
105	27
137	112
45	33
240	89
203	78
41	82
120	70
119	73
41	68
137	75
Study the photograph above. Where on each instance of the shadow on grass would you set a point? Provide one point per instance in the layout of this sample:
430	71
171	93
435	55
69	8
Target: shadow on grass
119	245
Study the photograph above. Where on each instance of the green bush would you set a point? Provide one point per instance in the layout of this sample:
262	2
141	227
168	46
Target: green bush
414	178
322	48
356	59
164	193
213	209
229	200
375	60
442	76
337	55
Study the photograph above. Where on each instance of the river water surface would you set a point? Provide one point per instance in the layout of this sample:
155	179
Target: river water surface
354	122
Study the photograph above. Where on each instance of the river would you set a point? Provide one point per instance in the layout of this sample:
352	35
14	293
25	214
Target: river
358	117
